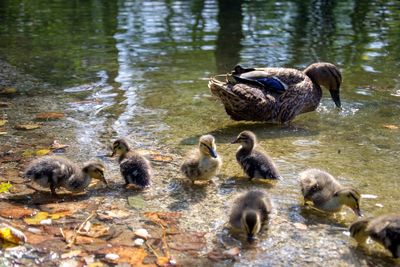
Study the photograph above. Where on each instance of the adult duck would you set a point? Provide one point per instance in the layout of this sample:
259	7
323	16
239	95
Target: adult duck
276	94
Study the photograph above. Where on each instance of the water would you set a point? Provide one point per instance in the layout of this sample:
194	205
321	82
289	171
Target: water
140	69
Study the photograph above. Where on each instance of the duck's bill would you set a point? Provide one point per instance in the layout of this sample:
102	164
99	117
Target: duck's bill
336	98
103	179
235	141
112	154
358	212
250	238
213	153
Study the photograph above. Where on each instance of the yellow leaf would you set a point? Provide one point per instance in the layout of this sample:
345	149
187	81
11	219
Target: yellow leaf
36	219
42	152
3	133
30	126
8	90
58	215
4	187
3	122
390	126
12	235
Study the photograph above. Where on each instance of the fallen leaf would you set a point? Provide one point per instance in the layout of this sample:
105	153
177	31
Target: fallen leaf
49	116
120	214
15	212
96	264
3	133
188	242
44	217
155	155
4	104
96	230
166	219
4	187
379	205
3	122
8	90
57	146
71	254
131	255
220	254
30	126
164	261
300	226
390	126
39	152
12	235
136	202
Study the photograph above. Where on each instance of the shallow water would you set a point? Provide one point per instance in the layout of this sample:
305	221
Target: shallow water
140	70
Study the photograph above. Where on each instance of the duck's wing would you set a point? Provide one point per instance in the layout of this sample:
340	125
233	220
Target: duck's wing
243	101
260	164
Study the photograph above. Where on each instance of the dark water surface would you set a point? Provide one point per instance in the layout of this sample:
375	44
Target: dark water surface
140	69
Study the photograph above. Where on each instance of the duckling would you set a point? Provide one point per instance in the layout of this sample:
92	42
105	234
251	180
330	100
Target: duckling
202	163
384	229
249	213
254	162
327	193
135	169
55	172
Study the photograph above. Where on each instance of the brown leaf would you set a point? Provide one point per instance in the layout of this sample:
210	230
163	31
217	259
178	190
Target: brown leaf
96	230
220	254
56	145
71	254
187	241
131	255
164	218
30	126
15	212
390	126
49	116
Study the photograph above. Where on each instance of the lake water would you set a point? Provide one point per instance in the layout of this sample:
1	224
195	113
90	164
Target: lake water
139	69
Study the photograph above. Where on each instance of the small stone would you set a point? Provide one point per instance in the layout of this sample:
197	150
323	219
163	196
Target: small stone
138	242
142	233
112	256
46	222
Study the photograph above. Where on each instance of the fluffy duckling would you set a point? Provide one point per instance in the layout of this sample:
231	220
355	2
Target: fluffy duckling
255	163
135	169
327	193
203	163
249	213
55	172
384	229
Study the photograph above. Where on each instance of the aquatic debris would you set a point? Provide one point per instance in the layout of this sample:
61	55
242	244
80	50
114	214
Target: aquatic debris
188	241
300	226
94	230
15	212
57	147
4	187
39	152
155	155
136	202
379	205
11	236
131	255
368	196
44	218
390	126
3	122
165	219
27	127
49	116
8	91
222	254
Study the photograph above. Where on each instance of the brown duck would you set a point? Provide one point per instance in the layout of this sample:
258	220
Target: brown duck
276	94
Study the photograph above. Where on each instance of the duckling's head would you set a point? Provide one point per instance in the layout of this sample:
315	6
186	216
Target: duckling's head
120	147
247	139
95	170
349	197
327	75
207	146
251	223
358	230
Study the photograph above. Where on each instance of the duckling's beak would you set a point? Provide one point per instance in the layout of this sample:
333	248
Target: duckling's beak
235	141
250	238
336	98
103	179
212	152
357	211
113	153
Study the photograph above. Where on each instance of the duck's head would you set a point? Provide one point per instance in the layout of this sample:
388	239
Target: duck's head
246	138
95	170
207	146
350	197
251	223
358	230
120	147
327	75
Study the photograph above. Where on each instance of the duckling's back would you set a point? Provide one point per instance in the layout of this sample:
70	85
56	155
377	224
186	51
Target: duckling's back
252	200
317	184
386	230
46	169
136	169
257	164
